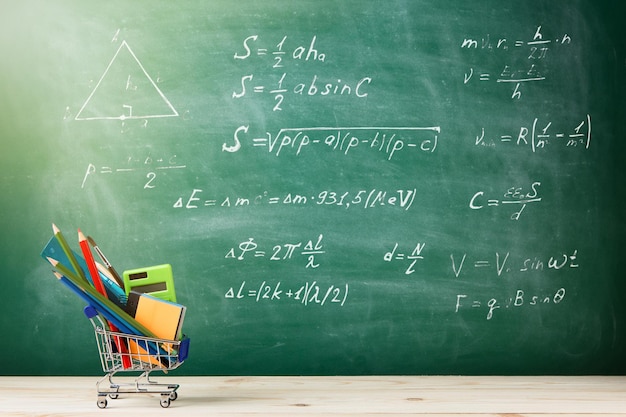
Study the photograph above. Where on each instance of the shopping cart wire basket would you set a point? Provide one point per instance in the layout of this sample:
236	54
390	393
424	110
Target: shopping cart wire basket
121	352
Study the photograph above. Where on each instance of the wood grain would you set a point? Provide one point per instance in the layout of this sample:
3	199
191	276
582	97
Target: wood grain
335	396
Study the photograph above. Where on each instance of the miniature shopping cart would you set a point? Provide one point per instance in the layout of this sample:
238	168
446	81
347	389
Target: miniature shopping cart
121	352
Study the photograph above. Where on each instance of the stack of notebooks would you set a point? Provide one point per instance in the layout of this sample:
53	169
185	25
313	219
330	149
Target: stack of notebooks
128	305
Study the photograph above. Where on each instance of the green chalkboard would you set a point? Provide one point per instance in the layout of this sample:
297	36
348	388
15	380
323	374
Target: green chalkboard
341	187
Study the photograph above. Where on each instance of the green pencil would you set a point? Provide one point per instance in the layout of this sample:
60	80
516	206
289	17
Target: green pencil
68	252
95	294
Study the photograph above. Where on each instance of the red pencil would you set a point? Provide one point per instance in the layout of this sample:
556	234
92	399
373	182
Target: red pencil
91	263
97	282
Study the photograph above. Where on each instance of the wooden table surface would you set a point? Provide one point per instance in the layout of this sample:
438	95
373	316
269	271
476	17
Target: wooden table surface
334	396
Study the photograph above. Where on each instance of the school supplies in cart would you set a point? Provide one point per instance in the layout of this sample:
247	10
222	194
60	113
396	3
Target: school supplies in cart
135	331
146	354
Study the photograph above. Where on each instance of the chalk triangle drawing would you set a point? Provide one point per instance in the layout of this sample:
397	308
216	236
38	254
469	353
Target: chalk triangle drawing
125	91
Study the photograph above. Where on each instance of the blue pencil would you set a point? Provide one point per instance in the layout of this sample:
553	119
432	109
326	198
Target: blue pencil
91	301
105	304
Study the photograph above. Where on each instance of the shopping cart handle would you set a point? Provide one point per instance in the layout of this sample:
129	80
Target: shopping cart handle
183	350
90	311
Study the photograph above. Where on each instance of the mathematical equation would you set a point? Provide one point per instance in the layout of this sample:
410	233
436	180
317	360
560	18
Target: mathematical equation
513	196
520	299
498	263
364	199
538	136
535	51
414	255
385	140
134	164
284	83
280	252
509	75
309	293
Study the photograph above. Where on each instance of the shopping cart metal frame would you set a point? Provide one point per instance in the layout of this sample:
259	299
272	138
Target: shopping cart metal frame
121	352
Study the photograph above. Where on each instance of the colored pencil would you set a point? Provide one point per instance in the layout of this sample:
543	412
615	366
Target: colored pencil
71	286
108	265
91	263
68	252
95	276
150	347
90	301
136	327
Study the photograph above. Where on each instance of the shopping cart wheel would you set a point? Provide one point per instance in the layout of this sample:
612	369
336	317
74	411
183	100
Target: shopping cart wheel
102	401
173	395
165	400
114	396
